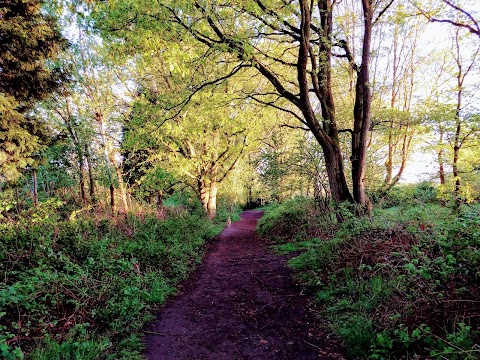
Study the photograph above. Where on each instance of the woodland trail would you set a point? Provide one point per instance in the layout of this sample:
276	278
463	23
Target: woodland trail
240	304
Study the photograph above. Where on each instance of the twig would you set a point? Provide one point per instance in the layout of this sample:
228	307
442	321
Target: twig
315	346
161	334
259	280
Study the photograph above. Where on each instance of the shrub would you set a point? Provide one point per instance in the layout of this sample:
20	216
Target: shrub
295	219
402	282
80	289
407	194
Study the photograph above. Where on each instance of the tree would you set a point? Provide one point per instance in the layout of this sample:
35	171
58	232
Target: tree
463	126
90	111
288	44
394	86
200	147
29	44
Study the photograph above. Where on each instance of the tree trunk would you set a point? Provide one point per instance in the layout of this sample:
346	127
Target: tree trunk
456	153
327	136
99	119
112	199
405	149
159	200
79	151
336	176
90	175
35	188
212	199
83	194
203	193
81	171
389	162
362	110
441	169
458	129
121	184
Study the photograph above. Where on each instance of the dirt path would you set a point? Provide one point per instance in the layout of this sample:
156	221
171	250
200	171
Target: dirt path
240	304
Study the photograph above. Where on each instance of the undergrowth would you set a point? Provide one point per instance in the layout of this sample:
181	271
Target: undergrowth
82	288
401	283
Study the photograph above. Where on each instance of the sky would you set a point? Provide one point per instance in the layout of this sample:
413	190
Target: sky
422	165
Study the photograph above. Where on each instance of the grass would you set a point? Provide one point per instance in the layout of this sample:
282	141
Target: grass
83	288
400	283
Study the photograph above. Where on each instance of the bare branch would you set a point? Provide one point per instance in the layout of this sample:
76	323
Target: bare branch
295	127
273	79
470	28
468	15
272	104
348	54
383	11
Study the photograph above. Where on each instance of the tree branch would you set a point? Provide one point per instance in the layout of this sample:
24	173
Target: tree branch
383	11
295	127
272	104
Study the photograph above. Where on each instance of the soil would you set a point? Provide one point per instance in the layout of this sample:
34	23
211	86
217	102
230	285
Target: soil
240	304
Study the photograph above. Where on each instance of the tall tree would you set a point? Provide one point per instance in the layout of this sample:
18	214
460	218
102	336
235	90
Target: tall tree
395	115
29	44
90	111
200	147
287	43
462	132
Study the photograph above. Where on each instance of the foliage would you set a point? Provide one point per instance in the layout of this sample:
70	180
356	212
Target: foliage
411	194
30	44
286	220
81	289
403	282
291	164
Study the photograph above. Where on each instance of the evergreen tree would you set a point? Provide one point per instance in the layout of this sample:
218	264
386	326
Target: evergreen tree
29	44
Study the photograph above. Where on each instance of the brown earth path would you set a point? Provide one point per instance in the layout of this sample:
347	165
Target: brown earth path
240	304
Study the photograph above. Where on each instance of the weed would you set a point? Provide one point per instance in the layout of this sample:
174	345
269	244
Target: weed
402	282
79	289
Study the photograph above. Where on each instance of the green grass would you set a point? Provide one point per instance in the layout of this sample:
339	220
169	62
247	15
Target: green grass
382	280
83	289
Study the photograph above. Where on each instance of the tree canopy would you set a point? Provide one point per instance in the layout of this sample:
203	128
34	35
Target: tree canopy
30	42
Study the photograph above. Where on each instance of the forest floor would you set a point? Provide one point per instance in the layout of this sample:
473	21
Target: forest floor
240	304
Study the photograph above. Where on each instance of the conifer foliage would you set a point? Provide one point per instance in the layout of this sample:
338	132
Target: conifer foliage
29	44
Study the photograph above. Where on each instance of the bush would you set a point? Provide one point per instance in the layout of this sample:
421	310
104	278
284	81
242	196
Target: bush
288	220
407	194
80	289
402	282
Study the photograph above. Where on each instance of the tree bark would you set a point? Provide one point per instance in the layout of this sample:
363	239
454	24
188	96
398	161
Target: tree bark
212	199
441	169
389	162
456	155
362	110
112	199
203	193
80	156
67	118
121	184
34	188
457	143
159	200
99	119
90	175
